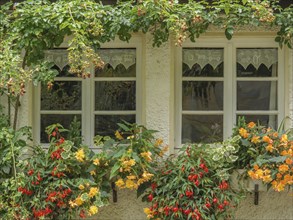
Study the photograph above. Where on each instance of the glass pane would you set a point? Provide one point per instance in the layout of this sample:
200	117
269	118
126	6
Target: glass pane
64	95
115	95
118	63
253	95
64	72
262	71
204	62
265	120
106	125
206	71
119	71
202	95
257	62
47	120
202	128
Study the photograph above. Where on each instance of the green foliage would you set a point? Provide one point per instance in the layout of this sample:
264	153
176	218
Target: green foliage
189	187
35	26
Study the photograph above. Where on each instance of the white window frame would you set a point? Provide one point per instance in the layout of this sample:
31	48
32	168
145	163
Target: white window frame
87	112
229	79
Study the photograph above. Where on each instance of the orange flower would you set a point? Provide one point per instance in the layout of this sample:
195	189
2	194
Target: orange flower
255	139
275	134
283	168
251	124
267	139
289	161
256	167
279	176
243	132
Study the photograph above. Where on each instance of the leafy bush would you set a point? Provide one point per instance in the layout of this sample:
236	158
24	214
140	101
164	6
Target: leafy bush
191	186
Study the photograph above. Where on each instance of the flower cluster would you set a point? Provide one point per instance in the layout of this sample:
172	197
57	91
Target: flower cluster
54	185
189	187
133	155
272	161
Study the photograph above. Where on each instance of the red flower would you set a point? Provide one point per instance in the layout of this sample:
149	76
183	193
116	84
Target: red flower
208	205
154	186
175	209
150	197
189	193
224	185
82	214
30	172
215	200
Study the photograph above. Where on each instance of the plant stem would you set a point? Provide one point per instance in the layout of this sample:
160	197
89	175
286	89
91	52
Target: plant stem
13	160
16	110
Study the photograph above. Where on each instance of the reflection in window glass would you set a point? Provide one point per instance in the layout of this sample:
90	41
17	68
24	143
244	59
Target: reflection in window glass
49	119
206	71
106	125
264	120
112	95
202	128
119	71
64	95
202	95
255	95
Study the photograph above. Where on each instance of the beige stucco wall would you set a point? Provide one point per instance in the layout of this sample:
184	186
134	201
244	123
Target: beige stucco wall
158	108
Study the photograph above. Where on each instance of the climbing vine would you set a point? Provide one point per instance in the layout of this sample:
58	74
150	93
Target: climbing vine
30	28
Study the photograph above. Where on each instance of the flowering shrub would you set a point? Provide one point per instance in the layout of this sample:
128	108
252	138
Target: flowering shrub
53	184
133	155
270	154
190	187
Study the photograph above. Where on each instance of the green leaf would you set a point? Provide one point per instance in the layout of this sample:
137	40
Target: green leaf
114	170
65	155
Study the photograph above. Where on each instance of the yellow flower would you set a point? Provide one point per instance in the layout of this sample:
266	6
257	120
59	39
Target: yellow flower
93	172
267	178
131	177
78	201
93	191
96	162
148	212
243	132
130	137
131	162
72	204
251	125
79	155
147	176
120	183
270	148
255	139
118	135
284	138
283	168
147	156
81	187
93	210
131	185
158	142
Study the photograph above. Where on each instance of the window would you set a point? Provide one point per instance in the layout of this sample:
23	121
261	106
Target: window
218	81
109	96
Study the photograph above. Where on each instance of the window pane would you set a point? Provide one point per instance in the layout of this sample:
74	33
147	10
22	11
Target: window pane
202	95
106	125
64	72
203	62
257	62
253	95
115	95
47	120
265	120
118	63
202	128
64	95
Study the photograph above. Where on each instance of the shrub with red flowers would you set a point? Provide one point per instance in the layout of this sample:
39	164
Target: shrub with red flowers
53	184
191	186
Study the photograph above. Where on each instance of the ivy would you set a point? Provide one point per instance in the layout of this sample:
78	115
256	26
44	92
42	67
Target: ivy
34	26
